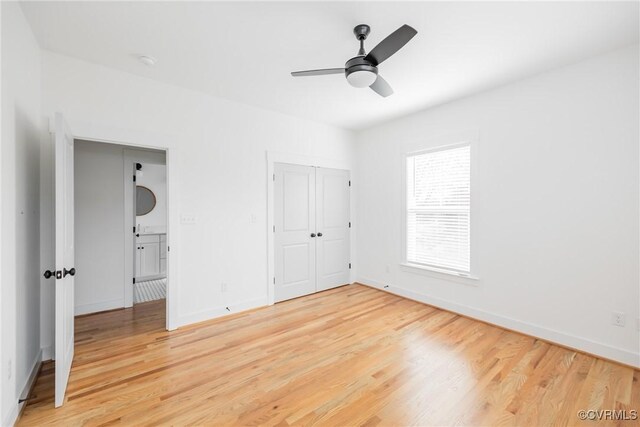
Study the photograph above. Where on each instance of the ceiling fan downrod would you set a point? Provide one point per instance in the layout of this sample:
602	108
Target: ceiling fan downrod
361	32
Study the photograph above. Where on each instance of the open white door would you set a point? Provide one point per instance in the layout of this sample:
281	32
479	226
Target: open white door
65	259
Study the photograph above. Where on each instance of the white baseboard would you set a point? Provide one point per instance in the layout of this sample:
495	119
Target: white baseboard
582	344
99	306
12	416
202	316
47	353
33	376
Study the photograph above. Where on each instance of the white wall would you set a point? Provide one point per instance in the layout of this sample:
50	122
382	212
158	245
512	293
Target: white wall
20	290
154	177
219	148
555	205
100	227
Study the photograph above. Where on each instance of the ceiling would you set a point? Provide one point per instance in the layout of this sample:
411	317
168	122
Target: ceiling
245	51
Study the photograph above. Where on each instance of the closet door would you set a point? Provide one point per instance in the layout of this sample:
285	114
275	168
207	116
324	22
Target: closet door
332	225
294	221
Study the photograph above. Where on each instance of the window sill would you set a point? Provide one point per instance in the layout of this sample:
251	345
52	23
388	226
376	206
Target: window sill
440	273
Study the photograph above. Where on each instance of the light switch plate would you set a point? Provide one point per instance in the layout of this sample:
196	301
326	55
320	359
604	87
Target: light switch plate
187	219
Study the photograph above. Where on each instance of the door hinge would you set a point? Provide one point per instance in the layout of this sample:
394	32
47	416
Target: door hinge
274	228
134	178
274	280
134	229
167	248
134	280
349	183
349	266
274	176
349	224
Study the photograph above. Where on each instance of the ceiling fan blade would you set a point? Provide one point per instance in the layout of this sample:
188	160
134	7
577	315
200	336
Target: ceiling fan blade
381	87
321	72
390	45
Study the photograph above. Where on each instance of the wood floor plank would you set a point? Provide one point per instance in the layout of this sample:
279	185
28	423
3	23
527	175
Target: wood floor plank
348	356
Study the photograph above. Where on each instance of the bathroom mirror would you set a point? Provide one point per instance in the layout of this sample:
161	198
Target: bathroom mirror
145	200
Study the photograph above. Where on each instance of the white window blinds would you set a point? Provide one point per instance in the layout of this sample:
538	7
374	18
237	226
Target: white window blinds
438	208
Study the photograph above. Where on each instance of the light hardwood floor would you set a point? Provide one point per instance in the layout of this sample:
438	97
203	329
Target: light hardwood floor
349	356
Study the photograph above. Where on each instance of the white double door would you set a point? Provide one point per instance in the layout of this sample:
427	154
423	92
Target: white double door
312	229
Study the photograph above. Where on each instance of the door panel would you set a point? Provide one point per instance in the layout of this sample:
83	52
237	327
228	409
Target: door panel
294	220
65	260
296	200
150	259
296	266
332	220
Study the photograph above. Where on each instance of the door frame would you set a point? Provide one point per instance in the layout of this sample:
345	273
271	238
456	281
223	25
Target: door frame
148	140
300	160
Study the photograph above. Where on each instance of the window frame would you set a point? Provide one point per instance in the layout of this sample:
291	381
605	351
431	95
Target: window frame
435	271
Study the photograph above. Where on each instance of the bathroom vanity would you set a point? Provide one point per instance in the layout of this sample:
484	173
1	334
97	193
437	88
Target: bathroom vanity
151	256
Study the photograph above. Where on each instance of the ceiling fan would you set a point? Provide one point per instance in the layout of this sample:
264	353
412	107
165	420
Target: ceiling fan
362	70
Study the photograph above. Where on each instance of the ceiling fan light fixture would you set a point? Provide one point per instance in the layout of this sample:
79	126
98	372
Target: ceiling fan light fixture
362	77
362	70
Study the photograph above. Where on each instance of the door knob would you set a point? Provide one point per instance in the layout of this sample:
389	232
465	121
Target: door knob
71	272
319	234
313	234
49	274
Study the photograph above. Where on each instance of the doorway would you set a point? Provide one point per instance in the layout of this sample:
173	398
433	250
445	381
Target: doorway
85	247
146	217
111	182
311	229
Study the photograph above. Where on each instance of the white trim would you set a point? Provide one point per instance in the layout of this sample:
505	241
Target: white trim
551	335
99	306
302	160
440	273
206	315
47	353
446	146
439	143
129	263
12	416
33	376
138	139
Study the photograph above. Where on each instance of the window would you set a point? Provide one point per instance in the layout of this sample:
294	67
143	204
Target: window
438	208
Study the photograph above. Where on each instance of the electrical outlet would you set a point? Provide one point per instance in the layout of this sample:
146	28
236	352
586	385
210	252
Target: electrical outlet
223	287
618	319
